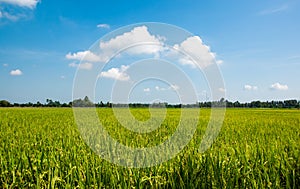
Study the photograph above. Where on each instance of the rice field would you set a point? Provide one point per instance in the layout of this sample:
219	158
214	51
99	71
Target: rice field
256	148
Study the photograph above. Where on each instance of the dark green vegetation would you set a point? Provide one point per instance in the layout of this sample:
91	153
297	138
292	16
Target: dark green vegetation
256	148
85	102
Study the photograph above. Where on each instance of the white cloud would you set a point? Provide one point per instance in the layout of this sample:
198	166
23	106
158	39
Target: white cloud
147	90
73	64
274	10
174	87
83	66
222	90
22	3
219	61
16	72
186	61
160	88
250	87
5	65
83	56
106	26
200	54
139	41
140	36
278	86
116	73
62	77
11	16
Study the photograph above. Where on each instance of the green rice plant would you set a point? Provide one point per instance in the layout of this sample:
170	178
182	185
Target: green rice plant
256	148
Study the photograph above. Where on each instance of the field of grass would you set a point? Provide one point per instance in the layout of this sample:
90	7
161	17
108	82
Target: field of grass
256	148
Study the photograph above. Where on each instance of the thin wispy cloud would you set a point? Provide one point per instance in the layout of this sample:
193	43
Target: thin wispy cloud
83	56
250	87
222	90
82	66
173	87
106	26
67	22
14	10
160	88
274	10
278	86
31	4
9	16
294	57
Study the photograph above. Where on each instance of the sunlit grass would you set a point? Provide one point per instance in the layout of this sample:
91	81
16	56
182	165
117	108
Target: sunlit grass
256	148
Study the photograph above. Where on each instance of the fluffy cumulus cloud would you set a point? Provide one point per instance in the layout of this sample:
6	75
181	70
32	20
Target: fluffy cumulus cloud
106	26
278	86
116	73
22	3
16	72
140	36
200	54
83	56
138	39
250	88
82	66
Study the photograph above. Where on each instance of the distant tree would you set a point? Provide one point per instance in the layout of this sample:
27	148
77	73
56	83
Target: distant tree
82	103
38	104
257	104
87	102
237	104
16	105
108	105
290	103
65	105
101	104
49	103
57	104
5	103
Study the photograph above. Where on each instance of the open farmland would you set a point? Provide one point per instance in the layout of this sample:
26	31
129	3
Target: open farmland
256	148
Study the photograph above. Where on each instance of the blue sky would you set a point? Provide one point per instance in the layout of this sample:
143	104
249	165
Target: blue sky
257	41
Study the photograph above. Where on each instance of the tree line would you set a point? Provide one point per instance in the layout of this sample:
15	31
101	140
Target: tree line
85	102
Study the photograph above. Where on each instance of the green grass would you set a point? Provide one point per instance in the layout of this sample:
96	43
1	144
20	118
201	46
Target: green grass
256	148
